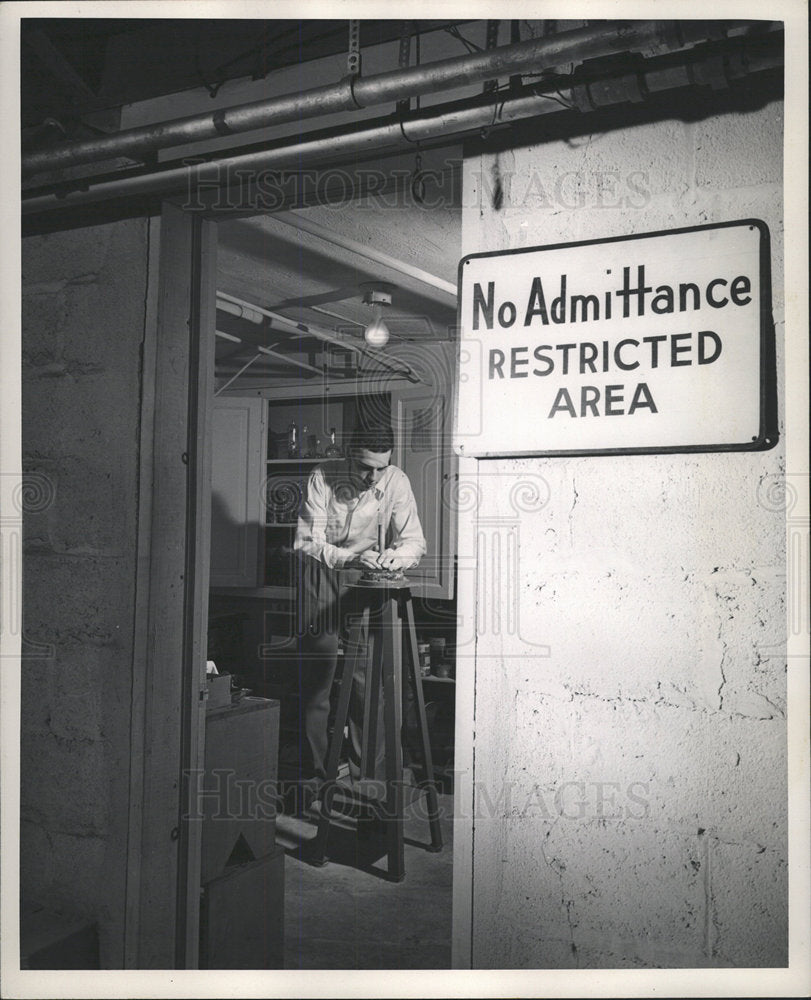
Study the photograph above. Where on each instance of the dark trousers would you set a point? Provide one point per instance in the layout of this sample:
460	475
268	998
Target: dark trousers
327	606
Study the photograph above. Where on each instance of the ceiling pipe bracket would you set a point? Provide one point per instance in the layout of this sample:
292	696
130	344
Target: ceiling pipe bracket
529	56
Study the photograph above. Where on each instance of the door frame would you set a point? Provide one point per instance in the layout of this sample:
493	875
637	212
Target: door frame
171	602
162	908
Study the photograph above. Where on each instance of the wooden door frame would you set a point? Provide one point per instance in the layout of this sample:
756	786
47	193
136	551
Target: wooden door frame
171	614
172	583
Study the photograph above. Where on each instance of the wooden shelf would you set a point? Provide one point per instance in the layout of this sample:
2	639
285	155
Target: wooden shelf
268	590
439	680
300	461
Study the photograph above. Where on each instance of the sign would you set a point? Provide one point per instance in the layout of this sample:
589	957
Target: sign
649	343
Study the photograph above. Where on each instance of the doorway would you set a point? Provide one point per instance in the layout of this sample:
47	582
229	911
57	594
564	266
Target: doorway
290	354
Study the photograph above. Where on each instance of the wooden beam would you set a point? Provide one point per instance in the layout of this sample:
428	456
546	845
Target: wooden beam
59	67
203	275
172	595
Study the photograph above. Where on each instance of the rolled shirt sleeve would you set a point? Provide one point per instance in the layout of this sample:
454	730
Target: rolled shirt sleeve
311	530
408	539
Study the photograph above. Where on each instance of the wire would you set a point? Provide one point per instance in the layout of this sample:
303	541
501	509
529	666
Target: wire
457	34
558	100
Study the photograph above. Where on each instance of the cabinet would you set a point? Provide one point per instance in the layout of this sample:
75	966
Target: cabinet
257	488
242	870
237	442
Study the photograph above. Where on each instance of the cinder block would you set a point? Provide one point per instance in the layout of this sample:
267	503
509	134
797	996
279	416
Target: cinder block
69	600
84	509
43	318
66	870
65	256
64	785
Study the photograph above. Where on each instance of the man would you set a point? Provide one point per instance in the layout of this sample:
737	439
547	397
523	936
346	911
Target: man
337	537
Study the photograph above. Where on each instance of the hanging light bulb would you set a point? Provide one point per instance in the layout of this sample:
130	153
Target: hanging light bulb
378	296
377	333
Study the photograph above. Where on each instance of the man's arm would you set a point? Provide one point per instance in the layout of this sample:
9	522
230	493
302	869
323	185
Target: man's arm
408	545
311	530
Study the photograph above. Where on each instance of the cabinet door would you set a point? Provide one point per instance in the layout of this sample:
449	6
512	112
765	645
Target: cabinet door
422	424
239	448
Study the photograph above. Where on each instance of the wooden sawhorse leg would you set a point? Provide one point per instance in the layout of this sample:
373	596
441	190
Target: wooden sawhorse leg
406	612
357	646
381	639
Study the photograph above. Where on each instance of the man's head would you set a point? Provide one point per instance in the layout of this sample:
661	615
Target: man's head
370	449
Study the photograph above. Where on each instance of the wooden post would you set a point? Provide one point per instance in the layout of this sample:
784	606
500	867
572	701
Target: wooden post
172	600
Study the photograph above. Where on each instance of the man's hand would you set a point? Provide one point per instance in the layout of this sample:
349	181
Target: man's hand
391	560
368	559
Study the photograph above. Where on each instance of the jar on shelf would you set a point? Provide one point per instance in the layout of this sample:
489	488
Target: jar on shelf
424	651
333	450
293	444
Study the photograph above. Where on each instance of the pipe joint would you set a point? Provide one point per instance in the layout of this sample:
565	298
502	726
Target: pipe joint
350	82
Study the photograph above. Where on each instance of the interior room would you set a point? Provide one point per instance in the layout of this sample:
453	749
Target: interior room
295	371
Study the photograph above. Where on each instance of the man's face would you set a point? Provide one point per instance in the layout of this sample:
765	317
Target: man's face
367	467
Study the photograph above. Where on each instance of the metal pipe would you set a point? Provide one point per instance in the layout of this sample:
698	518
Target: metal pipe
440	125
334	315
233	378
267	351
288	360
356	93
243	312
314	331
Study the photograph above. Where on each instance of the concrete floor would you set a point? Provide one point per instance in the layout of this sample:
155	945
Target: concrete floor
346	915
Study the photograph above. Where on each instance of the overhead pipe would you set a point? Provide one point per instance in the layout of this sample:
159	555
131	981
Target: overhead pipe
239	309
440	125
266	351
356	93
285	324
269	352
234	377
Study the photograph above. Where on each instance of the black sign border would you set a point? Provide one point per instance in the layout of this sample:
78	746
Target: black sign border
768	434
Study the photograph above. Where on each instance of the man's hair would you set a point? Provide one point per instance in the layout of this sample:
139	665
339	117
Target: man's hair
377	438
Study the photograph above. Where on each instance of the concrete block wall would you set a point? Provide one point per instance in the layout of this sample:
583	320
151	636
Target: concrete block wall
629	775
84	296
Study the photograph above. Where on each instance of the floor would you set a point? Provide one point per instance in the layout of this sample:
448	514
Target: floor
346	915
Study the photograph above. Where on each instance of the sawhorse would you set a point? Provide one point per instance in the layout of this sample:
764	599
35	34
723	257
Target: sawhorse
380	633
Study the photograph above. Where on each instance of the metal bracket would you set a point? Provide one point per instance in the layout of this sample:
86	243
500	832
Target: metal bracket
492	42
353	56
403	107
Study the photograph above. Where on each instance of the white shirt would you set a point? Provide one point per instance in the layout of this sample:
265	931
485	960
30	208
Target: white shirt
336	516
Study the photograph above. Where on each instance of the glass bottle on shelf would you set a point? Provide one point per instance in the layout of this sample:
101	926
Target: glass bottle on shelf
333	451
305	442
292	440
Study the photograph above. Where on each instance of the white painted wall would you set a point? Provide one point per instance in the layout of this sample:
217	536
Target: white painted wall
628	781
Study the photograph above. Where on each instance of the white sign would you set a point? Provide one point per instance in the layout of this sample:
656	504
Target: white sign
656	342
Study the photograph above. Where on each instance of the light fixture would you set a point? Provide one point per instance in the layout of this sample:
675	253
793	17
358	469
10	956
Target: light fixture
377	295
